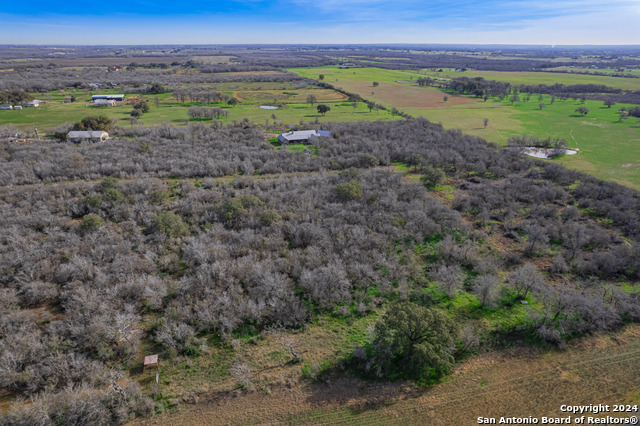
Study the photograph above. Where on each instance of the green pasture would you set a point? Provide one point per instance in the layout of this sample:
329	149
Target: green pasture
56	112
608	148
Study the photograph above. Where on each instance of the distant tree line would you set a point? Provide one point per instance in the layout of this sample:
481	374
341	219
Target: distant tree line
480	87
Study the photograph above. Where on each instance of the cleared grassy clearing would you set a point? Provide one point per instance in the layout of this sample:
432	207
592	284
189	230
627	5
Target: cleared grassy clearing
609	149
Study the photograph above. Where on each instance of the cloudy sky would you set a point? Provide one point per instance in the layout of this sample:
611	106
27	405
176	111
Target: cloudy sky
320	21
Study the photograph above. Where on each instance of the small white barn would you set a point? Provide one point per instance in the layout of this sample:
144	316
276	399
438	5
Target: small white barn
78	136
302	136
17	107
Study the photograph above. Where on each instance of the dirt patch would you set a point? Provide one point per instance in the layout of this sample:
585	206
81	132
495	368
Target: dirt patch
630	165
592	124
568	376
404	96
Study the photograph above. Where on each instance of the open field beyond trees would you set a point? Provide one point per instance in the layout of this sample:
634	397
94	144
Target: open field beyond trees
608	145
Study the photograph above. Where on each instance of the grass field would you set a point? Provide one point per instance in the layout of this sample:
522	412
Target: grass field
609	149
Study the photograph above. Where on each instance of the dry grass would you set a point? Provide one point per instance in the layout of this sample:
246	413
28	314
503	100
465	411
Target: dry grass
300	95
522	382
405	96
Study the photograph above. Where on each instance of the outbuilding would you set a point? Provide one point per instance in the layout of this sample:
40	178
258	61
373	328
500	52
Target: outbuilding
6	107
104	102
108	97
78	136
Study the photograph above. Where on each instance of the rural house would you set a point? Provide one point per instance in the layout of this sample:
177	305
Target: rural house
78	136
302	136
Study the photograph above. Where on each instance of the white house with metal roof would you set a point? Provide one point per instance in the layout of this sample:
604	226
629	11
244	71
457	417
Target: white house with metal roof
87	136
303	136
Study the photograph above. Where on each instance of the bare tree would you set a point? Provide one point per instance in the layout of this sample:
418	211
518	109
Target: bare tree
485	287
283	338
525	279
450	278
311	99
538	238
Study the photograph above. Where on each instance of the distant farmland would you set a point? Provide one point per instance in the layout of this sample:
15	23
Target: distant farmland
549	78
609	148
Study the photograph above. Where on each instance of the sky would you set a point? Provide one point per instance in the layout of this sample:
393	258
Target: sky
536	22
